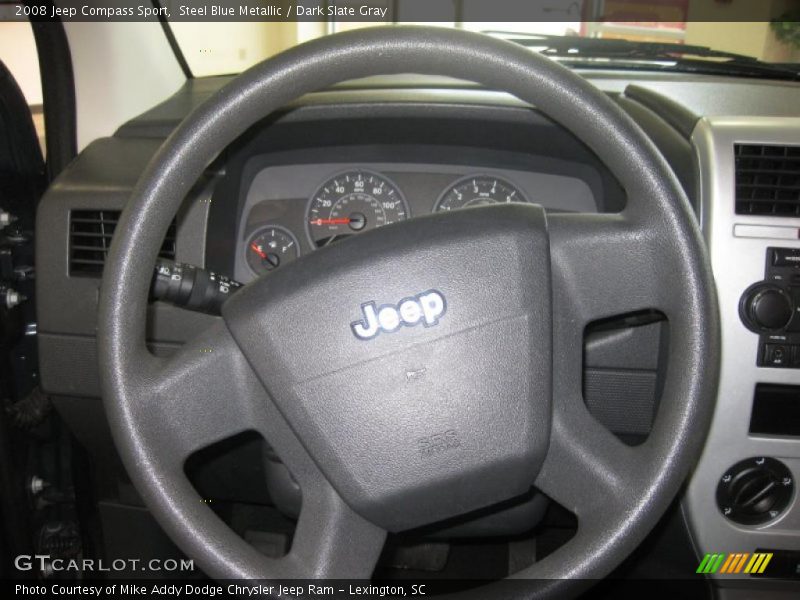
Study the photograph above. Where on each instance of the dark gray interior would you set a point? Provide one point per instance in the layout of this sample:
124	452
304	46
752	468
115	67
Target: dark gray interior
646	352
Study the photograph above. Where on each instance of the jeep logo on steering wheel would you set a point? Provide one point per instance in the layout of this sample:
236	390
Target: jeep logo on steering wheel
426	308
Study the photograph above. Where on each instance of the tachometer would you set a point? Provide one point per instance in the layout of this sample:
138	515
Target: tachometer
476	190
352	202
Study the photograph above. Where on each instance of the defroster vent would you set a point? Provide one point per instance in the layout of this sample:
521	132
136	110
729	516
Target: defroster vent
767	180
90	233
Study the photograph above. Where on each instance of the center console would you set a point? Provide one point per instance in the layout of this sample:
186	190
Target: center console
771	308
742	497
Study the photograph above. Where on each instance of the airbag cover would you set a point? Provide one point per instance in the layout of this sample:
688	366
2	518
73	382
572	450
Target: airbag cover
413	361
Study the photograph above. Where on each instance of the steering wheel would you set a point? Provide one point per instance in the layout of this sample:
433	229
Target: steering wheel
428	368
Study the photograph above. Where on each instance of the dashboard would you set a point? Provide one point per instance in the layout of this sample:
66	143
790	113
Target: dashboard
290	210
367	154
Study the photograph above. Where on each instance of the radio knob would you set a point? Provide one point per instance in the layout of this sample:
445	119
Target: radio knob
767	308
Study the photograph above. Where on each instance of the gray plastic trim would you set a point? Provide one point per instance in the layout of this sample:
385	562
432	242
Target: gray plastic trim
102	178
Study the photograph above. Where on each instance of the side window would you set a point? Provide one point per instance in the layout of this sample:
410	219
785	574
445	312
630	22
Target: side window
18	53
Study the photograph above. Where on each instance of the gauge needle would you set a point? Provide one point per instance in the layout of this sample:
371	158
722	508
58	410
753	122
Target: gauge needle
343	221
258	251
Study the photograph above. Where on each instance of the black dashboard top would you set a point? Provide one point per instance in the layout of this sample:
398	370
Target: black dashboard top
695	96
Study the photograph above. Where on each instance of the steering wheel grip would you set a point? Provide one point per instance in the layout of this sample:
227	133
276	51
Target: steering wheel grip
650	256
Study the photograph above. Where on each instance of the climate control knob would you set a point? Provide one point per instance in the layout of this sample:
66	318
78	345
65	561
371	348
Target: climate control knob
755	490
766	307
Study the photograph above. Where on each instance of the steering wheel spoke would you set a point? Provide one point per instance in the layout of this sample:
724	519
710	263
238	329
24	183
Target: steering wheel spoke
587	469
605	265
602	266
331	541
204	393
207	392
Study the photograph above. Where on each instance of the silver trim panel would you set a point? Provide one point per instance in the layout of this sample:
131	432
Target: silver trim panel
738	261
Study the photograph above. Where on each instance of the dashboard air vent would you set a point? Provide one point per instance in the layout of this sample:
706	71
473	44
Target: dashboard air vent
90	234
767	180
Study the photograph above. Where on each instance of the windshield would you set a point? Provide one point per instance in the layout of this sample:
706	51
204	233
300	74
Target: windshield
679	35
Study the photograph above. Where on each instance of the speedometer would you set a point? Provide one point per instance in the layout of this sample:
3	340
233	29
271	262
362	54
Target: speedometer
477	190
352	202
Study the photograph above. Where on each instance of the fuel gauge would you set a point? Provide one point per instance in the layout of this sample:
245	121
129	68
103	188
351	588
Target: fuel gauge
270	248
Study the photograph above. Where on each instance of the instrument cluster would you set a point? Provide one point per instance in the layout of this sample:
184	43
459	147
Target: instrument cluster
280	223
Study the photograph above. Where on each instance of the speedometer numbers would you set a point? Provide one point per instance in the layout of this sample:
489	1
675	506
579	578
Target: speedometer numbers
353	202
477	190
